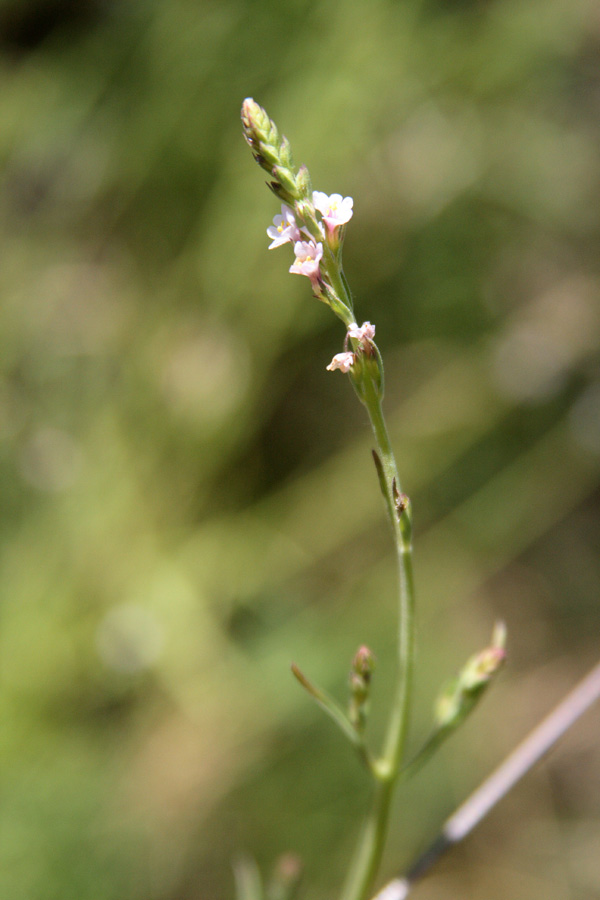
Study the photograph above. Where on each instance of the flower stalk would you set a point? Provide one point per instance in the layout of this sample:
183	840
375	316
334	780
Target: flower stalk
314	224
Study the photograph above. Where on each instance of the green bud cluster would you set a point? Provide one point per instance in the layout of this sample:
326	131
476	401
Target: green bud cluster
272	152
360	687
460	695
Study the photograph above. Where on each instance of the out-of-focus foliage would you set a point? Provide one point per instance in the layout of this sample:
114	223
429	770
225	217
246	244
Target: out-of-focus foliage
188	498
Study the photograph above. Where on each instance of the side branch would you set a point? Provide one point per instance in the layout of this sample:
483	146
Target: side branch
500	782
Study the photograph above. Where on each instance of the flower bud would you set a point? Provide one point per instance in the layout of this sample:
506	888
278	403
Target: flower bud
285	153
306	213
304	184
286	877
363	665
460	696
364	662
280	192
285	177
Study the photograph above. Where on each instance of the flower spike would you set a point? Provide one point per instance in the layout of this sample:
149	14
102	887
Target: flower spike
272	152
316	234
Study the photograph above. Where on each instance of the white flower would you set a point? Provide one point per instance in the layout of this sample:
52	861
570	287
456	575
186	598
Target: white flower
308	256
284	228
366	332
341	361
336	210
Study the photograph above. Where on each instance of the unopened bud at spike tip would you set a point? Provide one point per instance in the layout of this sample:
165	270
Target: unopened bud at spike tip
271	150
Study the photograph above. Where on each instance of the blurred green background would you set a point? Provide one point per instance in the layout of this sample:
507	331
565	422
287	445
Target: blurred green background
189	502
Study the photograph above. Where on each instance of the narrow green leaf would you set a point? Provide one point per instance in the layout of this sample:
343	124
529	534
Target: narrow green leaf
330	706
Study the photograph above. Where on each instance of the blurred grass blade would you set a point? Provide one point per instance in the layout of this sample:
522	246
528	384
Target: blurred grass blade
248	883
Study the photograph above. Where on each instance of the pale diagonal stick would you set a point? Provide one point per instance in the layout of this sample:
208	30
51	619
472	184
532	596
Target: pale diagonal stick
501	781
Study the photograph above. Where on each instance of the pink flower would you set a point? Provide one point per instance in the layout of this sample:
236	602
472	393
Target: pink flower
336	210
341	361
366	332
284	228
308	256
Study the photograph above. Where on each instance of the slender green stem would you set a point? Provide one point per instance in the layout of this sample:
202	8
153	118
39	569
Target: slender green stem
340	286
385	770
370	847
401	525
372	839
431	746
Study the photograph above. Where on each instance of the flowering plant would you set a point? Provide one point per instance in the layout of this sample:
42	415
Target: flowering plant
314	224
